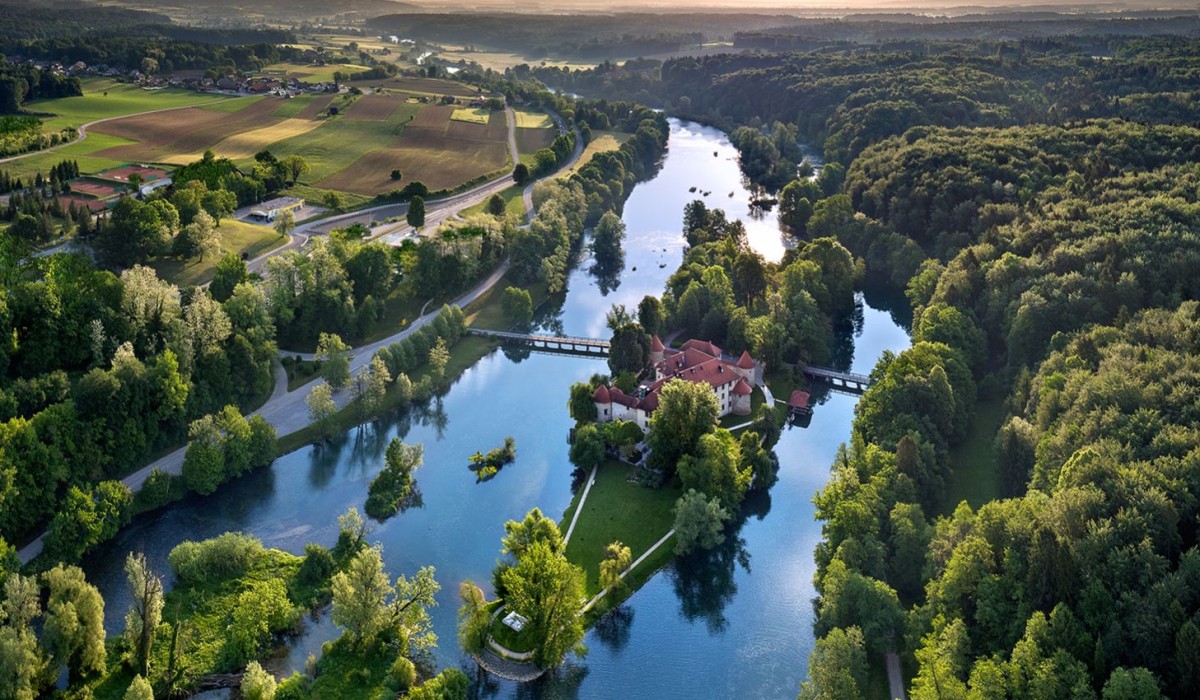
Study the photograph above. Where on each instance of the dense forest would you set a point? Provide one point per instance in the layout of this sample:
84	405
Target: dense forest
1038	206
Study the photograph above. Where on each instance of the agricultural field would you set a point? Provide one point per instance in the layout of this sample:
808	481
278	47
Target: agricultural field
424	87
601	141
103	99
352	153
529	119
312	74
432	148
501	60
477	115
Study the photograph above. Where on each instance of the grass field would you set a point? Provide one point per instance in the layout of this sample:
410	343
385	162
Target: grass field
236	237
431	148
975	476
81	151
528	119
513	203
304	106
430	87
233	105
616	509
601	141
529	141
486	312
476	115
104	98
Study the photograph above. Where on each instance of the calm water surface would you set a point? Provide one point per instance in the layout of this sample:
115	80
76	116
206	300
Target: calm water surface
734	623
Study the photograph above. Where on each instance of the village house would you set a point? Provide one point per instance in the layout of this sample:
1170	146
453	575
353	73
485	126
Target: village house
731	379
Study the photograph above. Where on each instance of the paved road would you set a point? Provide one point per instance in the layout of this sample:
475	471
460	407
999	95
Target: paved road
287	411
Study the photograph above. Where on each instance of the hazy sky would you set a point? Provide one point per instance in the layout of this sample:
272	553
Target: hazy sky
823	6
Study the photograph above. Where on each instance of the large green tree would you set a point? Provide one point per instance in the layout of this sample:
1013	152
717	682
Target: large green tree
546	588
686	412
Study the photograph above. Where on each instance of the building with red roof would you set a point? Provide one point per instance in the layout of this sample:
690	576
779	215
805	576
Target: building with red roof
731	379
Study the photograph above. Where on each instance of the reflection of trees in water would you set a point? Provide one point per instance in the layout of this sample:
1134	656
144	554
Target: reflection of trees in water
705	581
323	460
483	684
578	477
613	629
561	682
844	334
516	353
608	277
890	300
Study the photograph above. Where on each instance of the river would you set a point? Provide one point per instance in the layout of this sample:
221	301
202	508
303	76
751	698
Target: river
736	623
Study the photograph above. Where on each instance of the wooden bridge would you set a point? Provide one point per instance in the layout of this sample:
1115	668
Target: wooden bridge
558	344
842	382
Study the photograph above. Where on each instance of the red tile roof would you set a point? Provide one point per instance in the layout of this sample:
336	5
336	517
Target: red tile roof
656	345
601	394
798	399
742	388
703	346
745	361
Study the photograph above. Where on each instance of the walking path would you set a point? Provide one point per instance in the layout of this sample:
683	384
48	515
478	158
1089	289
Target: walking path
895	677
286	411
579	509
639	560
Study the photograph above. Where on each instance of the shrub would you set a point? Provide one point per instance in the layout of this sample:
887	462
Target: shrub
317	566
403	674
224	556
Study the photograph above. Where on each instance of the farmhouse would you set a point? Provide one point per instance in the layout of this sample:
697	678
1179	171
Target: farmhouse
731	379
272	208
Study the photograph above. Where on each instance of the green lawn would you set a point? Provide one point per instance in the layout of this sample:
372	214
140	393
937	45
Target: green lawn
312	74
601	141
102	99
80	151
296	105
316	195
236	237
975	476
233	105
506	637
617	509
475	115
485	312
513	202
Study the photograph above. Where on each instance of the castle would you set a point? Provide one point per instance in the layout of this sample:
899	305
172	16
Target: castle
732	381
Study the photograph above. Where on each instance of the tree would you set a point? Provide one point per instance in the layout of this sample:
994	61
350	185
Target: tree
145	613
229	273
521	174
517	305
396	174
321	407
606	241
534	528
588	448
546	589
650	315
686	411
73	631
439	357
219	203
257	684
837	667
22	666
367	605
139	689
370	387
582	404
334	356
495	205
616	559
1131	684
416	212
360	594
393	484
295	166
699	522
285	222
717	468
474	617
629	350
204	461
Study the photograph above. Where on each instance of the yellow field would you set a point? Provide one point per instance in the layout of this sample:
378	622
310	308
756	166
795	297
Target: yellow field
478	115
601	141
247	143
533	120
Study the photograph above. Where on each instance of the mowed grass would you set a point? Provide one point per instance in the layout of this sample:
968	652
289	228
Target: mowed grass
237	237
514	203
486	311
234	105
475	115
529	119
601	142
975	474
103	99
617	510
